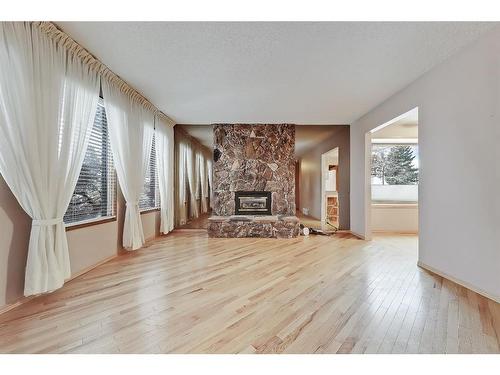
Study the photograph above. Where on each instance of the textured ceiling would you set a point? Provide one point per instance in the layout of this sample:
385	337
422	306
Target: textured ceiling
397	130
404	126
306	136
295	72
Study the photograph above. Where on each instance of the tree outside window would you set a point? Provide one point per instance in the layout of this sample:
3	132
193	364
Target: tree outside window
394	165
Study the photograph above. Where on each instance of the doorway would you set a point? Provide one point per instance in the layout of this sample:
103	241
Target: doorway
392	176
330	209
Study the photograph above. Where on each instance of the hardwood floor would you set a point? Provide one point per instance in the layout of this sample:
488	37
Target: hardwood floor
186	293
199	223
312	222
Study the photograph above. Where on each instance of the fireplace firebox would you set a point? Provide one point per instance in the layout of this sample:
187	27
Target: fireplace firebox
252	202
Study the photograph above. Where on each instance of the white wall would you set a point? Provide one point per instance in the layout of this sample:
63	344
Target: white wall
151	224
310	175
401	218
330	177
459	138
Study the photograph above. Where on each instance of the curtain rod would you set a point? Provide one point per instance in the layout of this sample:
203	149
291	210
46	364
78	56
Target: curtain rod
72	46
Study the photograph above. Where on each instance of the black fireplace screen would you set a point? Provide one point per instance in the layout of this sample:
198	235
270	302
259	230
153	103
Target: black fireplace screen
253	203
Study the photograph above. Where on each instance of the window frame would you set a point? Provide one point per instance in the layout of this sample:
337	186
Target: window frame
154	176
111	189
393	142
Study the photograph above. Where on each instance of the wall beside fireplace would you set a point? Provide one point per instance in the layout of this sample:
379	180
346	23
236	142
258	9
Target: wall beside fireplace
254	157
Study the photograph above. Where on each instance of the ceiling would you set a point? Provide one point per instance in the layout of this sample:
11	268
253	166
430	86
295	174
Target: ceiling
405	126
306	136
332	157
397	130
203	133
271	72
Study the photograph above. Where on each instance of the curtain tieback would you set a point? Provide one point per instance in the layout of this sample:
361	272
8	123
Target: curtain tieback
132	204
47	222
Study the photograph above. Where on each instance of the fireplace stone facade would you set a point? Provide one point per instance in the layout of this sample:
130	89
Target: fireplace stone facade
254	157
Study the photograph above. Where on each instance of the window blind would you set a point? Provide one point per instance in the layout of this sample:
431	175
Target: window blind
150	197
95	193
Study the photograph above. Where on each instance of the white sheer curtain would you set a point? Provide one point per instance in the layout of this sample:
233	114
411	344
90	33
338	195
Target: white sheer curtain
181	151
193	174
131	129
165	162
48	100
197	180
209	172
204	183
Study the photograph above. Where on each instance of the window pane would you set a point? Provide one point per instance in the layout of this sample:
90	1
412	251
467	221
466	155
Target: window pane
95	190
394	173
150	195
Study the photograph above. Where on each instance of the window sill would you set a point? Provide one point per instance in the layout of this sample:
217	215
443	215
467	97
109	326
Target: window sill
147	211
89	223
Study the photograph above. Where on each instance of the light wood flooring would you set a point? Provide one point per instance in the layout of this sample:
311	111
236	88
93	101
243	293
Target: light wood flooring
312	222
186	293
200	222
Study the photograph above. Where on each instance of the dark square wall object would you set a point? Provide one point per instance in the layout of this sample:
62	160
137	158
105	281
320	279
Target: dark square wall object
253	202
254	157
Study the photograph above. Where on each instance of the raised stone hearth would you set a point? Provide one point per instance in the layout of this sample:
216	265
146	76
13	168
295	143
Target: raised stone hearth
253	226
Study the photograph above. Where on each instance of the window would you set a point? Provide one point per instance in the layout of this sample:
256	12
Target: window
95	193
150	198
394	173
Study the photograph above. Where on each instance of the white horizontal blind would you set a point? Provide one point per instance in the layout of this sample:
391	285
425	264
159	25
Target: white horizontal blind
95	192
150	197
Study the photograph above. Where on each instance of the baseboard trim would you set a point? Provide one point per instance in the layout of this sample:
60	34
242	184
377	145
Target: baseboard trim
412	232
24	300
90	268
15	304
458	281
201	230
120	252
360	236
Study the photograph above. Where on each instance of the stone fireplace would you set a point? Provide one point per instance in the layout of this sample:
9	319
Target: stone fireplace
254	181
